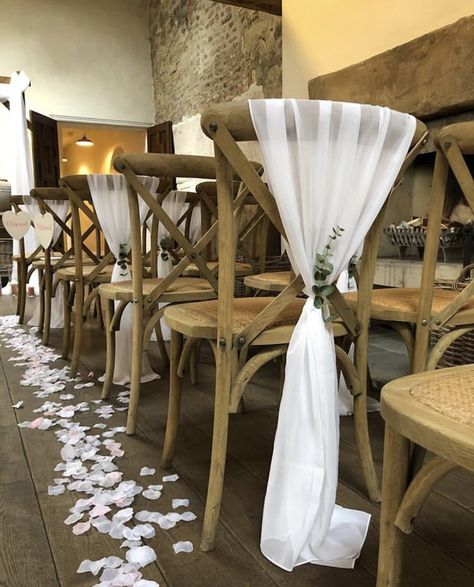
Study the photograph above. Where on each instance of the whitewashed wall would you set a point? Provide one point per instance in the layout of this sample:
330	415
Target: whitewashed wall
86	59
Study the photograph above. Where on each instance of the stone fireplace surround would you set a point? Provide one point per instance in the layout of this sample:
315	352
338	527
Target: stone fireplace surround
431	77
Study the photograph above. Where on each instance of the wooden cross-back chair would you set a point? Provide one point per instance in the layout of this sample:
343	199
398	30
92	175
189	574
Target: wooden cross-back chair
146	295
434	410
415	312
232	326
56	256
23	262
92	264
253	226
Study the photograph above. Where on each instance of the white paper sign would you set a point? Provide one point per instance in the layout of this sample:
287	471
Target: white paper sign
16	224
44	228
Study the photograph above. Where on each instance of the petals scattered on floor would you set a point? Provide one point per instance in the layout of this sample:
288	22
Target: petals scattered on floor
87	464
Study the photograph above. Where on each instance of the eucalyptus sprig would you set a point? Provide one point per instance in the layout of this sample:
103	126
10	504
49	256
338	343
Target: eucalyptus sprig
122	260
322	270
165	246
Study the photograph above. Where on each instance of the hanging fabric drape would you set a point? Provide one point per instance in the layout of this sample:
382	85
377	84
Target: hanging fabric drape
61	209
109	195
21	168
329	165
174	205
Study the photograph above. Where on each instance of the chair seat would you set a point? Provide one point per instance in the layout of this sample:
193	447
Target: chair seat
241	269
181	290
69	273
271	281
435	409
41	263
401	305
199	319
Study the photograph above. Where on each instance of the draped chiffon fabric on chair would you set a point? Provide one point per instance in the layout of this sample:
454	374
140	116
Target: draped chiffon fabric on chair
20	164
109	195
174	205
328	164
61	209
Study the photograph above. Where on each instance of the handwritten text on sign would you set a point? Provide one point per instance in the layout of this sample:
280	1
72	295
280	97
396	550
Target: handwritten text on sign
16	224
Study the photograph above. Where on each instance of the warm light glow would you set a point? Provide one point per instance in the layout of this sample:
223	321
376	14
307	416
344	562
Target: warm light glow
84	142
64	159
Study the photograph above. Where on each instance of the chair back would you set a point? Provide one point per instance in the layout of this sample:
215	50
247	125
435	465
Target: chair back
253	225
453	143
168	167
227	125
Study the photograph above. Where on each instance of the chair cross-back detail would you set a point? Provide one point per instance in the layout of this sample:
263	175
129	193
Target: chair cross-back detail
55	202
274	321
415	312
23	262
91	267
147	295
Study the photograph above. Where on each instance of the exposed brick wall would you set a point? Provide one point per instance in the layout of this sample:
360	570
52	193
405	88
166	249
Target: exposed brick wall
205	52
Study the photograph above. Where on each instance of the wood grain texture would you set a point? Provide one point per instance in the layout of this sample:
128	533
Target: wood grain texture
439	553
428	77
271	6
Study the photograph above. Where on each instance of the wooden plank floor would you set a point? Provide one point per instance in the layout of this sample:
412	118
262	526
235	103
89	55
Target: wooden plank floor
38	549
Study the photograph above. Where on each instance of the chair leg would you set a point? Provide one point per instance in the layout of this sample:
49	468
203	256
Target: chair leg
67	320
78	327
224	368
395	472
22	291
135	377
41	300
174	401
110	346
18	275
361	427
48	290
193	363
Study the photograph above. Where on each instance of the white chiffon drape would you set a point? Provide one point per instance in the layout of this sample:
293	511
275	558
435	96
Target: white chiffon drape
110	199
61	209
328	164
175	206
20	164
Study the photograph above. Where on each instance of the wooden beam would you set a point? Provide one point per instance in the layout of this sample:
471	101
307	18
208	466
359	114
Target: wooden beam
271	6
428	77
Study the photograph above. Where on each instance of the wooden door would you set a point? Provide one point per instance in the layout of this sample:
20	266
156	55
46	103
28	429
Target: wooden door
45	150
160	138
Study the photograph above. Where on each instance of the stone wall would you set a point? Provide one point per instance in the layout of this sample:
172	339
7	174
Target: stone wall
205	52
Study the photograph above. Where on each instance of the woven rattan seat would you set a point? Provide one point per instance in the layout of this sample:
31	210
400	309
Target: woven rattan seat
271	281
401	304
200	319
453	395
69	273
241	269
186	287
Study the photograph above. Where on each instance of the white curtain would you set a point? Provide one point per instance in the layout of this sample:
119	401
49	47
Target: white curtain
21	169
61	209
328	164
109	195
174	205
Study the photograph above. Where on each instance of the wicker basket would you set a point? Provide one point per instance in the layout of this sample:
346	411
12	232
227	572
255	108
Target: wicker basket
461	351
6	252
451	240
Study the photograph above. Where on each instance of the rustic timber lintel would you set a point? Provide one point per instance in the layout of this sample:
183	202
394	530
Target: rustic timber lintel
430	77
271	6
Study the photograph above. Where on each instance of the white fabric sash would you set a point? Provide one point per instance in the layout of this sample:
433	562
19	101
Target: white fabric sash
21	168
61	209
109	195
328	164
174	205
